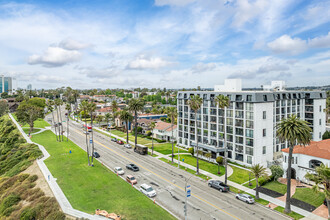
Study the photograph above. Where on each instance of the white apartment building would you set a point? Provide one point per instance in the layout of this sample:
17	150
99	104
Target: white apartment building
249	121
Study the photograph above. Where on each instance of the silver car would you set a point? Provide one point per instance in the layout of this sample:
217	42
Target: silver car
245	198
128	146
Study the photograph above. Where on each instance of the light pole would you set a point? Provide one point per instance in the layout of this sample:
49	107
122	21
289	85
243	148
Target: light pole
178	158
185	203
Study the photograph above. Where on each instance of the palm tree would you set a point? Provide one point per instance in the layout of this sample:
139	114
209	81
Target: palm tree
99	118
68	108
294	131
91	110
50	107
75	95
258	171
223	102
126	117
135	105
152	127
84	106
107	118
172	113
57	103
322	177
195	104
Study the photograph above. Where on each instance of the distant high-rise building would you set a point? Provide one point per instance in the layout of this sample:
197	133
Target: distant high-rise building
6	84
29	87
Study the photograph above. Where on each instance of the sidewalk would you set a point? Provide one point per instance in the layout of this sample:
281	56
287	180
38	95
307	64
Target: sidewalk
57	191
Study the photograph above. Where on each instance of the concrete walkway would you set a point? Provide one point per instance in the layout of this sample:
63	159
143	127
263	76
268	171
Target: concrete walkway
57	191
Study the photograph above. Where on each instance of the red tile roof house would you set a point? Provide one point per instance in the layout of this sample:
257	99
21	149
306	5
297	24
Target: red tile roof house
163	131
144	124
307	158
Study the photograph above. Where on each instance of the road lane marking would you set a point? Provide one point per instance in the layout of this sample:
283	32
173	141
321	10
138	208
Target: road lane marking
119	154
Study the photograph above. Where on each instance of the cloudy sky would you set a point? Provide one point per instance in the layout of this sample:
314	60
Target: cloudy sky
164	43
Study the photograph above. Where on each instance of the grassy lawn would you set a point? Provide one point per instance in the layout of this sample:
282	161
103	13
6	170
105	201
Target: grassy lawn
291	214
88	188
39	123
239	175
309	196
27	130
183	168
204	165
276	186
165	148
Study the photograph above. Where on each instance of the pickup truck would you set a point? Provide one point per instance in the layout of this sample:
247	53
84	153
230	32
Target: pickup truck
217	184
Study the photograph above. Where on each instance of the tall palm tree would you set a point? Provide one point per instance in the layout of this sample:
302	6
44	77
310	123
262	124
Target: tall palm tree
294	131
135	105
75	95
91	110
195	103
223	102
50	107
258	171
152	127
107	118
58	111
99	119
68	108
172	113
322	177
84	107
127	117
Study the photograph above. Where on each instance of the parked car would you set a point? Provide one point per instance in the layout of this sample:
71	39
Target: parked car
128	146
114	139
132	167
147	190
119	170
96	155
131	179
245	198
120	142
217	184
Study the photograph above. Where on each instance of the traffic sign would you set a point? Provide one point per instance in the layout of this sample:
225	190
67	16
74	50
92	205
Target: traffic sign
188	191
91	141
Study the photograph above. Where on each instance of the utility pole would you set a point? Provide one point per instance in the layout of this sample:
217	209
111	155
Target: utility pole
187	194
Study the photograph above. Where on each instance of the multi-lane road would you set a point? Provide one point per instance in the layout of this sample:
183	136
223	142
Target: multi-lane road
169	183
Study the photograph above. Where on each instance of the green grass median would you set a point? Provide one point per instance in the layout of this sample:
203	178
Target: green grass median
89	188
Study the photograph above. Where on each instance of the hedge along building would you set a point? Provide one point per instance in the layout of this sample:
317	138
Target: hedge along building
249	121
306	158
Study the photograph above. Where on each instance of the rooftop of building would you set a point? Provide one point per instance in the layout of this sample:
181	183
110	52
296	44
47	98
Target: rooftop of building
164	126
320	149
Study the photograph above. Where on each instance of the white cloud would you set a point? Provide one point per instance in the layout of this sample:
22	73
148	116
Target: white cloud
173	2
320	42
55	57
287	45
102	73
142	62
202	67
70	44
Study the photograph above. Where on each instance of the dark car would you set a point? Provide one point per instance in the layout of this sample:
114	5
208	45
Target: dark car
132	167
96	155
325	202
217	184
120	142
114	139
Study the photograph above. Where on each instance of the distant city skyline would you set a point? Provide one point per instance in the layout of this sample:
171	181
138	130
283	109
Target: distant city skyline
164	43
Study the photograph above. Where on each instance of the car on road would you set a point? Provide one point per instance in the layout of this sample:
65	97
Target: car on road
128	146
132	167
217	184
131	179
120	142
96	155
245	198
119	170
147	190
114	139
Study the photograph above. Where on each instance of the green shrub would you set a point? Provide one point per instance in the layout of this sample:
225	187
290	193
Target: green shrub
28	214
8	202
33	178
191	151
277	171
22	177
263	180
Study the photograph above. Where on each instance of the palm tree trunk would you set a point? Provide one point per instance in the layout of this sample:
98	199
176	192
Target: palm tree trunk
135	117
54	126
87	141
67	127
257	189
288	177
92	137
127	132
58	123
172	140
197	165
225	144
61	121
152	144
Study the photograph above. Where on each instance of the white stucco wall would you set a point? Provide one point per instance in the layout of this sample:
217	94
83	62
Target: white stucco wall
319	115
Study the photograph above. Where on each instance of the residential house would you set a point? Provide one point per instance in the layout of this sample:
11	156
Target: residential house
306	158
163	131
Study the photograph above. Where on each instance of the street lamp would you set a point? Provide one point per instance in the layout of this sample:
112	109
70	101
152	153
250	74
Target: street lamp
185	203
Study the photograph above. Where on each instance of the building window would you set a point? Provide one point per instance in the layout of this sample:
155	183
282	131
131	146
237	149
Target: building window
285	159
296	160
264	132
249	160
249	98
264	150
320	108
264	115
320	135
